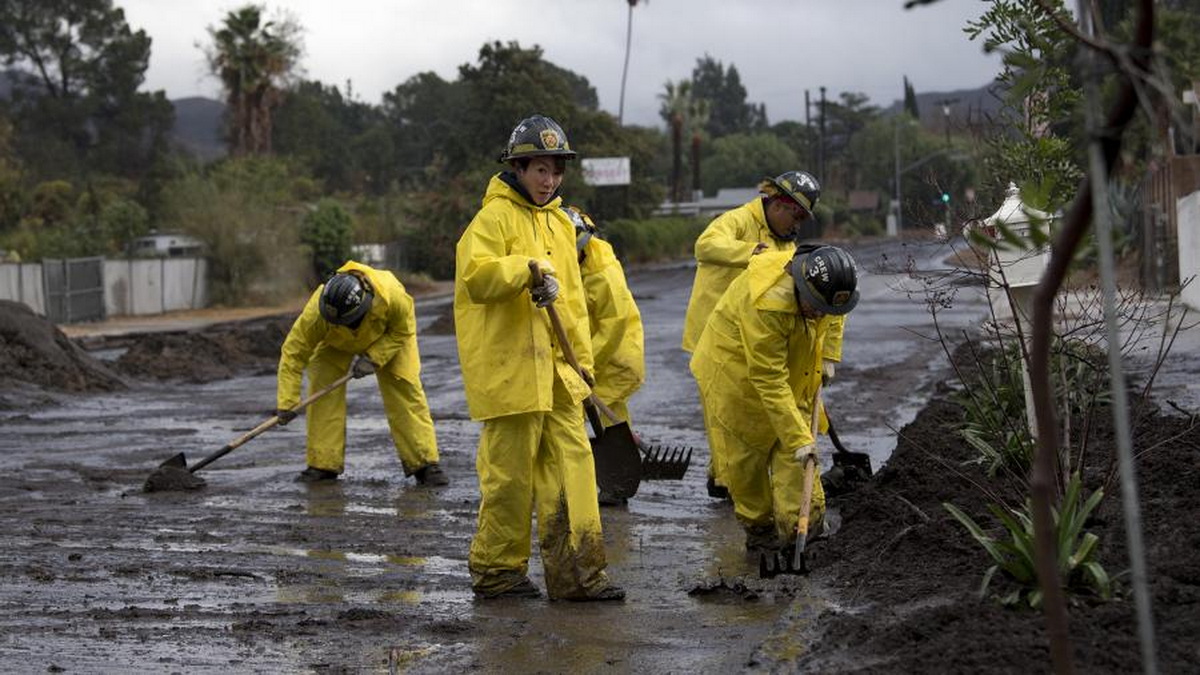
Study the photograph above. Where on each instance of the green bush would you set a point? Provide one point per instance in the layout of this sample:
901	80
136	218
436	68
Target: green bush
1014	556
327	231
653	239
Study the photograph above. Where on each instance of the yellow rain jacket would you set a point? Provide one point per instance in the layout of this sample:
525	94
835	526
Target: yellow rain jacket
505	344
722	251
387	334
759	361
616	326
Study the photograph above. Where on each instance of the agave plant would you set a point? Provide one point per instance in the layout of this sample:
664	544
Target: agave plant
1013	555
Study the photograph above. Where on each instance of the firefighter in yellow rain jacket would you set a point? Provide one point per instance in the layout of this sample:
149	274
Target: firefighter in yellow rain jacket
615	324
769	222
618	344
363	312
759	365
534	451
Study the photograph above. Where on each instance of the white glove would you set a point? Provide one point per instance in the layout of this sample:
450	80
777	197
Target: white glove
544	293
827	371
805	451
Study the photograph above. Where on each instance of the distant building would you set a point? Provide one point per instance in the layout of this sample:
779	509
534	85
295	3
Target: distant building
166	246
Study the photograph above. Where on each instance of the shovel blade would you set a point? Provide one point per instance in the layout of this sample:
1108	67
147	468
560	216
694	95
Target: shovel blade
857	462
178	461
618	462
661	463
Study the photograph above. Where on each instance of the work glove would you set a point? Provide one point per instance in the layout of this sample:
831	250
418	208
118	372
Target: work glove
363	367
285	416
544	293
803	452
587	377
826	372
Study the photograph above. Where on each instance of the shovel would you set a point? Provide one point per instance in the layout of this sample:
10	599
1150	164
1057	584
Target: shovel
175	474
857	465
779	562
614	450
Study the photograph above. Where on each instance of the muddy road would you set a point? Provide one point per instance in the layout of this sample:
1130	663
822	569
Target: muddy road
258	573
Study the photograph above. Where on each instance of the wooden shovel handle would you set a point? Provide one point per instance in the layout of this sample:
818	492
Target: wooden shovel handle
810	466
564	343
268	423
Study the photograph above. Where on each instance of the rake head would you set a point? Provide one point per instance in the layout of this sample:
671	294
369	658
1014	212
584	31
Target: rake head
787	560
659	463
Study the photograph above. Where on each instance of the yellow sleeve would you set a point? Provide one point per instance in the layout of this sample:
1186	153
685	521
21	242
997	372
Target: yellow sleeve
401	326
306	333
722	243
489	273
831	348
765	341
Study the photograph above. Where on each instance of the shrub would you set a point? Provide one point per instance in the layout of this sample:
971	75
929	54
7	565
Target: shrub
1014	558
327	231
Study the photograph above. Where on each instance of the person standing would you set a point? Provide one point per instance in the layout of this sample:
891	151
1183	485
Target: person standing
759	364
615	325
363	315
769	222
533	451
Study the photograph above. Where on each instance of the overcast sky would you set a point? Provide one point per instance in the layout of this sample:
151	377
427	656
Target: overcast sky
780	47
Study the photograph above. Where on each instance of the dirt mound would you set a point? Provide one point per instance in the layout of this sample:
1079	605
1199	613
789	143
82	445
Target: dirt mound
218	352
34	350
909	574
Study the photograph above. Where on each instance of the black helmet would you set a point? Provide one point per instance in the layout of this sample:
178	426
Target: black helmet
585	229
799	186
826	278
346	299
537	136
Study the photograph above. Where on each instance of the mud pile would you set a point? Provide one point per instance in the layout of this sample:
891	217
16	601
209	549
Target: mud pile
34	350
218	352
911	573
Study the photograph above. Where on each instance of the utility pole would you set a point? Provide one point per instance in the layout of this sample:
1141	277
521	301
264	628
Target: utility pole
946	103
808	131
821	140
899	221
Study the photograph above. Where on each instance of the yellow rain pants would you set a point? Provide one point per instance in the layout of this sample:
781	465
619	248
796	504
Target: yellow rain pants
542	461
403	402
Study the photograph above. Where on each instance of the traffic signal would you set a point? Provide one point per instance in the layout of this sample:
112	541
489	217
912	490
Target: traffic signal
946	198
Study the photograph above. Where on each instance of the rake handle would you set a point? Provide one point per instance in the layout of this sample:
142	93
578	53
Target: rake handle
591	404
267	424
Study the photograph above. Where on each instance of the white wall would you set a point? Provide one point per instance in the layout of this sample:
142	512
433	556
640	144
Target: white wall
22	282
1188	213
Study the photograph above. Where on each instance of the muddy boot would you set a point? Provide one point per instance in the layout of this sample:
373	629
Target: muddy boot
717	491
431	475
761	538
609	593
524	588
314	475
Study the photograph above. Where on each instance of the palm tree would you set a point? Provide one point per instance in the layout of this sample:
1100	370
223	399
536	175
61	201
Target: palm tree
254	61
676	104
625	70
698	114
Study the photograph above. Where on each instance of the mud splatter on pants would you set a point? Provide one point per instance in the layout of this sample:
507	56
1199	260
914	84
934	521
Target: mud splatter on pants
543	461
